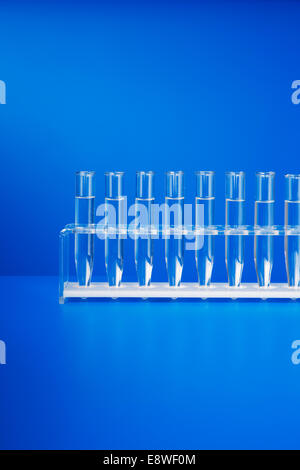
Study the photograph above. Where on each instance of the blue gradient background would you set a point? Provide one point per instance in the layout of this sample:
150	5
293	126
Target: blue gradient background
128	86
139	85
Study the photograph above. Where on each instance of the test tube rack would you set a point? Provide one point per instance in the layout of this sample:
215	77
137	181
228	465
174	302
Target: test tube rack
70	289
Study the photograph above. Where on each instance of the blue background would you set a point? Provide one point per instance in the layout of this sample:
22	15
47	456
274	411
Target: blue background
128	86
139	85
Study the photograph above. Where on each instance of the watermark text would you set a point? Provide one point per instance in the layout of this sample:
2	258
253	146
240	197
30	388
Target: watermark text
295	358
167	220
295	97
2	352
2	92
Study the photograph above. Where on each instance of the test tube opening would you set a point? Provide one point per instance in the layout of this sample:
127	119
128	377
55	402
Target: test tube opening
175	184
292	185
205	184
265	186
145	184
235	185
114	184
85	184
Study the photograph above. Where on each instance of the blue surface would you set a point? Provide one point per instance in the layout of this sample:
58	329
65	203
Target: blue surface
134	374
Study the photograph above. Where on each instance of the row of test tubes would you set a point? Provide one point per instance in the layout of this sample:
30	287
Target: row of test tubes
204	217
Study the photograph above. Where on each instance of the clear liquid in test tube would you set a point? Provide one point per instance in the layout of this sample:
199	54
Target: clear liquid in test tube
143	245
84	215
292	221
174	217
115	213
264	218
205	207
234	218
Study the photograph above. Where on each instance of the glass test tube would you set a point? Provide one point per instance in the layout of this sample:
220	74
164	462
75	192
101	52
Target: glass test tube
84	215
143	245
264	218
234	218
205	206
174	216
292	221
115	213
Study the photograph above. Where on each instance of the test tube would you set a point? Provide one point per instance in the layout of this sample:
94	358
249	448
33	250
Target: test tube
264	218
84	215
292	221
205	206
143	245
234	218
174	216
115	213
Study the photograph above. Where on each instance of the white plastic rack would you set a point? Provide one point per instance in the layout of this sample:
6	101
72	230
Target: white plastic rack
69	289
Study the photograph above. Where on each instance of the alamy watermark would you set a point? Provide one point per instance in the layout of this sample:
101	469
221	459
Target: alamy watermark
295	97
144	219
2	352
295	358
2	92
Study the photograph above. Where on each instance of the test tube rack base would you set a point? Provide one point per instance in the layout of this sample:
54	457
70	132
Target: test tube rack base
190	290
69	288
